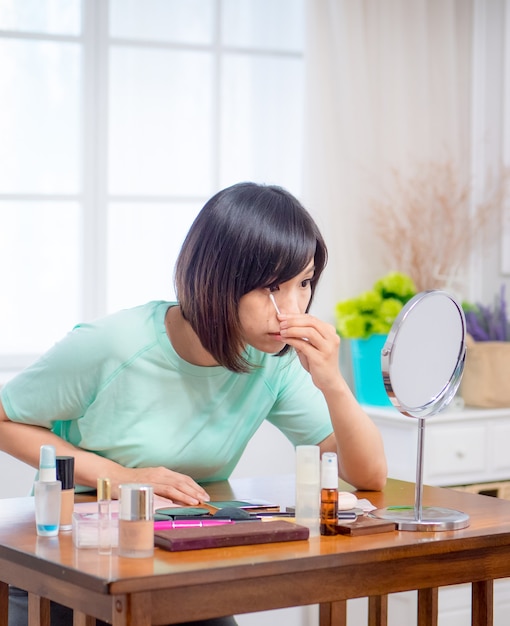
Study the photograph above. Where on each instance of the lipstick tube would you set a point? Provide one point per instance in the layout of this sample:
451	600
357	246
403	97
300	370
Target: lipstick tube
188	523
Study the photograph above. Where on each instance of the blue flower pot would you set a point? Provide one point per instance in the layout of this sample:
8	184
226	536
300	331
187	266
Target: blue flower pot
366	370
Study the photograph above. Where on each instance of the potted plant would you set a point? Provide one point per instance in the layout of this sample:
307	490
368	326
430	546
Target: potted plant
365	321
487	367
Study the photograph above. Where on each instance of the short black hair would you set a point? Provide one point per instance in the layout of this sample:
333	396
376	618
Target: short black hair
247	236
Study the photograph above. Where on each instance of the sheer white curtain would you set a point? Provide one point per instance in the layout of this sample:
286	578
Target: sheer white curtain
388	86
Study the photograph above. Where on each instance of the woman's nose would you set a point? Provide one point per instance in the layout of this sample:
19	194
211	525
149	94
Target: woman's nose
288	303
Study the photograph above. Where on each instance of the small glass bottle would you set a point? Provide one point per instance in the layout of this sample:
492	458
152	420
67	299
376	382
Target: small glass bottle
47	490
308	486
136	521
104	513
65	473
329	494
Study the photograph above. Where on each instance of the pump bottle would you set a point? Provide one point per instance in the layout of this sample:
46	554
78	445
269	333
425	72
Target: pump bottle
47	494
329	494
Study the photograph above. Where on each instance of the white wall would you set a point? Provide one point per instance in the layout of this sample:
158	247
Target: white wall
17	477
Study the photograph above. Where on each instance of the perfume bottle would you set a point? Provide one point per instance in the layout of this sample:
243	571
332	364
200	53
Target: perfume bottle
47	492
136	521
104	513
329	494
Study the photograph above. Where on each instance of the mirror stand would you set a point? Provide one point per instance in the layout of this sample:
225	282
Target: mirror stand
422	363
419	517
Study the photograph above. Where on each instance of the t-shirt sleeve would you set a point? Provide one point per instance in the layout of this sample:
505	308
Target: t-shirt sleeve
61	384
300	411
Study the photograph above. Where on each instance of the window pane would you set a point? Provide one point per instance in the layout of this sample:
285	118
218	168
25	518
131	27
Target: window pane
161	122
267	24
178	21
40	117
56	17
143	243
261	121
39	261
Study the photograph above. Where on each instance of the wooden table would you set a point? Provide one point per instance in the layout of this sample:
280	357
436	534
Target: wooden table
177	587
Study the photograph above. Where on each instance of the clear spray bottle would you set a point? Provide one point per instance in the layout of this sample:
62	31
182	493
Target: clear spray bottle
47	494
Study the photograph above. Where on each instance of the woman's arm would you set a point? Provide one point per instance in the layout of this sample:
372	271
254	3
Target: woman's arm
24	441
356	439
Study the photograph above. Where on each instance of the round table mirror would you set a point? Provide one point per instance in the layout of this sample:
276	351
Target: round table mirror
422	362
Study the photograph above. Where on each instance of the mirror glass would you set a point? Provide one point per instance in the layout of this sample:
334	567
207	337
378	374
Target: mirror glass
422	363
423	358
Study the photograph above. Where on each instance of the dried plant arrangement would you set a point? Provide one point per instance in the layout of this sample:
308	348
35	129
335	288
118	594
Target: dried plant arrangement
488	323
428	225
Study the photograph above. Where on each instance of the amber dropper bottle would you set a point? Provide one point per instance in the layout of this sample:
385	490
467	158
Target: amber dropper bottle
329	494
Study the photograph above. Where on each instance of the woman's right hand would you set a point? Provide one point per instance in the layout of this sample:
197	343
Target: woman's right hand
174	486
23	441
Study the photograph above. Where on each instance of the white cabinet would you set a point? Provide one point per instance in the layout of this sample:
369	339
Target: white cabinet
461	447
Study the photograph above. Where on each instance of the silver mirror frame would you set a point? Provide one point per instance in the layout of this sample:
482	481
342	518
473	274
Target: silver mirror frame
443	398
417	517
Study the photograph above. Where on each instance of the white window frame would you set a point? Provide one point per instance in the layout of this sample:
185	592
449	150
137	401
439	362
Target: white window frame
94	197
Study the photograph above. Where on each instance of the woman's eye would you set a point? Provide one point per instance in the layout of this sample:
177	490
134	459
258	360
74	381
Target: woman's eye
306	283
274	288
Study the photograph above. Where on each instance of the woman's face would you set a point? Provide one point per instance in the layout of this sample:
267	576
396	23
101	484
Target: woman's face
260	325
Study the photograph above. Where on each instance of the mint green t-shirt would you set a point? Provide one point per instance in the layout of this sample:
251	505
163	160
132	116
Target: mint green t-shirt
117	387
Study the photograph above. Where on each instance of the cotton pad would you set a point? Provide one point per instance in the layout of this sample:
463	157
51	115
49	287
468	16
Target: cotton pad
346	500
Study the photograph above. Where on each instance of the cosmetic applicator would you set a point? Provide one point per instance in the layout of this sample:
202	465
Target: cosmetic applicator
271	297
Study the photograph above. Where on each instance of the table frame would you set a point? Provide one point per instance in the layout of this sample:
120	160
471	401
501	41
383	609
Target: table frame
176	587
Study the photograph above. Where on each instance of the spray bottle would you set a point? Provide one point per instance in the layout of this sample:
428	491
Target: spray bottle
47	492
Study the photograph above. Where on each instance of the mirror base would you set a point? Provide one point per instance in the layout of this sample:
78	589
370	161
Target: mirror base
432	518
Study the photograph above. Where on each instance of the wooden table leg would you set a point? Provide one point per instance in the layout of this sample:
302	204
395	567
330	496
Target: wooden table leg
333	613
378	610
80	619
141	604
482	603
4	604
134	610
427	607
120	612
38	610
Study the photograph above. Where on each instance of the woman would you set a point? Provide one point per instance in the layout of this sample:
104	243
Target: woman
170	393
